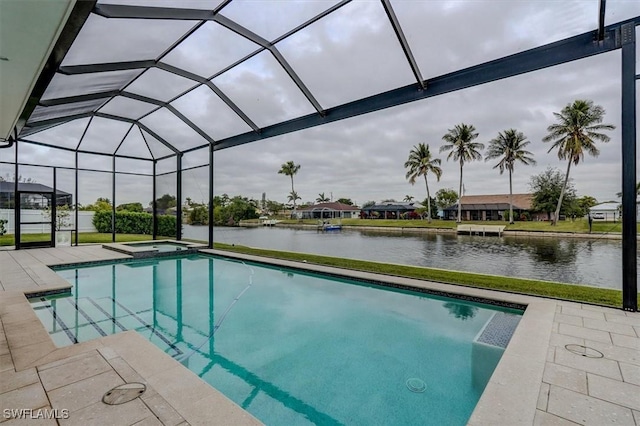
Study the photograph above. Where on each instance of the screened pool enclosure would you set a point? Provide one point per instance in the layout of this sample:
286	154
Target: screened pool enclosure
137	96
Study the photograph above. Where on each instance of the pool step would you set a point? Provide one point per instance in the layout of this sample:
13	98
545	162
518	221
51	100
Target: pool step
498	330
86	318
489	345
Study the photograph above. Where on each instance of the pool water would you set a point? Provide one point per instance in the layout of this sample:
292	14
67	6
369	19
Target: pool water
293	348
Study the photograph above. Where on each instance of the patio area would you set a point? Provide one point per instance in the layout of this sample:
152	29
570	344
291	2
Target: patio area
538	381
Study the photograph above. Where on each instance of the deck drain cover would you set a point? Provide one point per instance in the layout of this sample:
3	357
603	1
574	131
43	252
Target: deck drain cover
416	385
584	351
124	393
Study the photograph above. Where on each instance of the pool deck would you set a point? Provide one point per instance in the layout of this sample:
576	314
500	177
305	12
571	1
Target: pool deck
537	382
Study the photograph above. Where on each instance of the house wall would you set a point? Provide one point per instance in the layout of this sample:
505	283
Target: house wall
605	215
541	216
488	215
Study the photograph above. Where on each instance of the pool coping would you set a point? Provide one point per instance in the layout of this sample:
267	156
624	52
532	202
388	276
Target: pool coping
511	395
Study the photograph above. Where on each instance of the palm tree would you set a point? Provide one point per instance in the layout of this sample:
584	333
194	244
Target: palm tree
289	169
578	129
459	141
509	147
408	198
322	198
293	196
420	163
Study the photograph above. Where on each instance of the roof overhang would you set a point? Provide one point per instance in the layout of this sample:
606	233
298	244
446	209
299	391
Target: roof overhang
29	31
34	37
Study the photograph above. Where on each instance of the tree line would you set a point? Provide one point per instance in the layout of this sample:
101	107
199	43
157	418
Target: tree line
577	129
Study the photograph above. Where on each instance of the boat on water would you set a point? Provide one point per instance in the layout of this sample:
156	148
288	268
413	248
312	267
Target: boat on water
331	227
325	225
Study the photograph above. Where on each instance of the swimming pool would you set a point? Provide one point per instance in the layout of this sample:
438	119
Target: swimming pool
292	347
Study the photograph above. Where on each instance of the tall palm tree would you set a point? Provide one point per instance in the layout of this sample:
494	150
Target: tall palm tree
459	141
577	130
322	198
289	169
509	147
408	198
420	163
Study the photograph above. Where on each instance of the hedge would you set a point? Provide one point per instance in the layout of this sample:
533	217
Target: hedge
134	223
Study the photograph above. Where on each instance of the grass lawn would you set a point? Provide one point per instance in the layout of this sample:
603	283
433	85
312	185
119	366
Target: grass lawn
577	226
390	223
83	237
599	296
400	223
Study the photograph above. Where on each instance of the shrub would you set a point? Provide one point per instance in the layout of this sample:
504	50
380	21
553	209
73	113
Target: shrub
134	223
167	225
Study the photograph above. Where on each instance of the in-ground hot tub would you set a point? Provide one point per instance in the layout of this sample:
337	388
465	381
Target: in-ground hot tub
143	249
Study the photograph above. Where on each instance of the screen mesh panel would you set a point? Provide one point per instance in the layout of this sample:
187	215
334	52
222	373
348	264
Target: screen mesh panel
123	40
224	47
126	107
63	86
174	130
262	89
66	135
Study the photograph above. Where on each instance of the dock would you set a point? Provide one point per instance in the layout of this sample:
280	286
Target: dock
483	230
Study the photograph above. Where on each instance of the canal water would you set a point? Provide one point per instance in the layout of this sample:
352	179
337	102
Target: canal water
595	262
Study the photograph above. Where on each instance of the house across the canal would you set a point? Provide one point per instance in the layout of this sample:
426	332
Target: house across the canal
392	210
606	212
493	207
332	210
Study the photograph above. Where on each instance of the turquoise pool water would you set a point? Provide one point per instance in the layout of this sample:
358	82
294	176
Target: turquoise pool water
293	348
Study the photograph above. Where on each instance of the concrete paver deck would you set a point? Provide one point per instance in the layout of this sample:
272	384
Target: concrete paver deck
538	380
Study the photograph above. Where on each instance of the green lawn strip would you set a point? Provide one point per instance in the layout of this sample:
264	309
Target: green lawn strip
599	296
566	226
579	225
387	223
83	238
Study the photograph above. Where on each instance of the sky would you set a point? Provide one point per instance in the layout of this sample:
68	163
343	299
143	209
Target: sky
350	54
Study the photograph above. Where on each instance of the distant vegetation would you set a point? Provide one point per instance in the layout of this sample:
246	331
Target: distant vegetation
421	163
290	169
459	142
226	211
508	146
578	127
